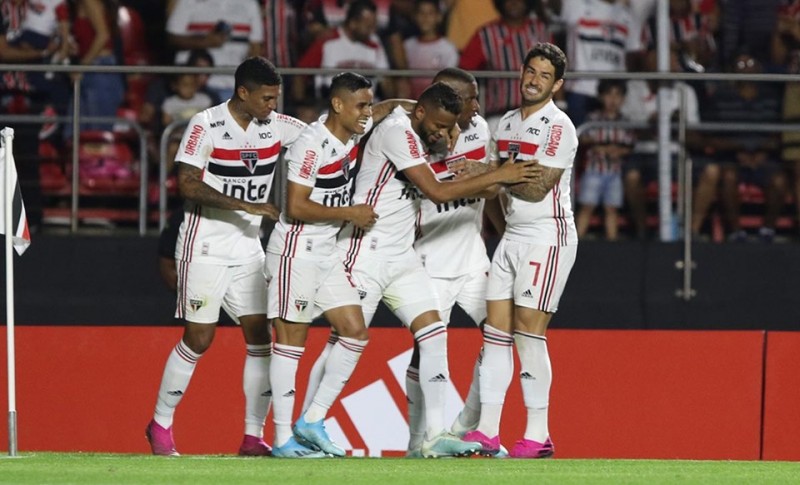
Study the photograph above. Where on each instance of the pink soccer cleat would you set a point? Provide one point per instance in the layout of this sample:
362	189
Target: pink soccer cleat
254	446
532	449
160	439
489	446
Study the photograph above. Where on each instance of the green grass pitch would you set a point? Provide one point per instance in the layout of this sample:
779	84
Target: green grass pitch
90	468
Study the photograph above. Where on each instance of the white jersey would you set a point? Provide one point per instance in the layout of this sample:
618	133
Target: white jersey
239	164
200	17
428	55
392	147
599	35
319	160
43	16
548	136
449	238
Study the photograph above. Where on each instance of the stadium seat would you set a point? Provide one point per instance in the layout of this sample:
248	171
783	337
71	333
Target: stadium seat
107	164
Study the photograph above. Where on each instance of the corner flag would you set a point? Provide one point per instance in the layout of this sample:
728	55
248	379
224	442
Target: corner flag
20	236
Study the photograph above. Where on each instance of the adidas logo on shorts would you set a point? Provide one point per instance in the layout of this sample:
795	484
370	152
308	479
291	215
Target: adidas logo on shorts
438	378
527	294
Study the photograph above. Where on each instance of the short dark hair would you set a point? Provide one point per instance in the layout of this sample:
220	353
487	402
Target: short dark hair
350	82
499	5
606	85
443	96
435	4
552	53
355	9
255	72
455	74
199	54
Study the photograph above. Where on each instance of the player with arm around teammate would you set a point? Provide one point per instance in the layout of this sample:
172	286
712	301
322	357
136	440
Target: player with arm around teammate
533	260
304	270
382	261
227	159
451	248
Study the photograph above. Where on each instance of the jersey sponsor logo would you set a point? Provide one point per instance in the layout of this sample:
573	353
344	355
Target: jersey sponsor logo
265	135
409	192
455	204
544	119
309	160
471	137
337	198
251	192
533	131
195	136
413	148
554	141
215	124
250	159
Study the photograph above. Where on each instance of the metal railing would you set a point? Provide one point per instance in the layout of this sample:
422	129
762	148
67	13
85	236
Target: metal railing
75	176
480	75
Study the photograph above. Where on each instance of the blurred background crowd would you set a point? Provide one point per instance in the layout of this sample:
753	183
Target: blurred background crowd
746	184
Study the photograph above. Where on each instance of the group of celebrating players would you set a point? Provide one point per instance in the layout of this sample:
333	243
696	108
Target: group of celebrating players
384	202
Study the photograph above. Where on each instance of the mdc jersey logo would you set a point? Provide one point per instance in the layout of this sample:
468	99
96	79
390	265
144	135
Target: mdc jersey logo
250	159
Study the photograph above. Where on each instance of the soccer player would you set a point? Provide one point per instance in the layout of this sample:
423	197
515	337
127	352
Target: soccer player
451	248
227	158
533	260
381	260
305	272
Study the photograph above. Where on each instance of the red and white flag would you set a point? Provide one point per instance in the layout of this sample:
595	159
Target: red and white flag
21	237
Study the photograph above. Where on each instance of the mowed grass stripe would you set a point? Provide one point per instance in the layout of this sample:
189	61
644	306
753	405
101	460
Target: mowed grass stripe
89	468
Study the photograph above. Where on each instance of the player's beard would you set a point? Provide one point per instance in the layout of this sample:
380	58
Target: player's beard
530	100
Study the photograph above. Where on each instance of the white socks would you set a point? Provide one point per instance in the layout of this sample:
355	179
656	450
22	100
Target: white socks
433	374
318	370
496	370
282	374
257	391
468	418
338	368
177	374
416	409
536	376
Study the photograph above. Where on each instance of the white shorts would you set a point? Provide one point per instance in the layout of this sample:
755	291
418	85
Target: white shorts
403	285
300	290
533	276
205	288
468	290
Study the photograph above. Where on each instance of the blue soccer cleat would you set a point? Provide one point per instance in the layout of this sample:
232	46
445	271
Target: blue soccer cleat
447	444
314	435
293	449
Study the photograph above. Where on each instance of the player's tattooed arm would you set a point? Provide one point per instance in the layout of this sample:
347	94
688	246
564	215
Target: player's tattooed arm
192	187
382	109
536	190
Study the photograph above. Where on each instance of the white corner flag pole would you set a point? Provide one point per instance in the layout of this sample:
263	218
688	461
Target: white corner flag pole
8	192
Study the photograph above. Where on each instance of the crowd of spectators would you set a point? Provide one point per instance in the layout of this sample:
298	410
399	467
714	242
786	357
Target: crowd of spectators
598	35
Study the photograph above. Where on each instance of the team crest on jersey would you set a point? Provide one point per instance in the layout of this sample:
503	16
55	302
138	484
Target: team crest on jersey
196	304
346	167
513	148
250	159
300	304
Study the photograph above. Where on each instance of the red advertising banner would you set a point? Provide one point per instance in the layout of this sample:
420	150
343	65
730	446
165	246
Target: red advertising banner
616	394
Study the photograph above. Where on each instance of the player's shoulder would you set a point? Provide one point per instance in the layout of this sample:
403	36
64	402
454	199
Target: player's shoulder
284	120
558	116
478	122
311	137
